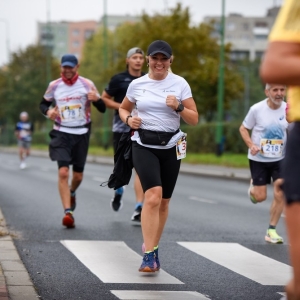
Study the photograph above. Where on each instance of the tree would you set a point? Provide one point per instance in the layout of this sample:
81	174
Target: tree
196	55
24	82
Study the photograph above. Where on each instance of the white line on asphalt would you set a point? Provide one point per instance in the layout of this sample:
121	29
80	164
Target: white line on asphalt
115	262
99	179
241	260
158	295
202	200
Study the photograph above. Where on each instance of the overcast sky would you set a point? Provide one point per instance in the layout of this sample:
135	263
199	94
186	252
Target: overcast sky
20	17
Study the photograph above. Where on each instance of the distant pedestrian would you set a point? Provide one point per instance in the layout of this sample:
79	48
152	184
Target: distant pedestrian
161	98
72	95
282	64
23	132
266	150
113	95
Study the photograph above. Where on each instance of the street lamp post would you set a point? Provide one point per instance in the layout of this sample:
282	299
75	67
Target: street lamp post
7	38
105	64
219	129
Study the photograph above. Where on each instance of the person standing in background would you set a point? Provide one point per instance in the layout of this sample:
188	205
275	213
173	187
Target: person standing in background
73	95
23	132
113	95
281	63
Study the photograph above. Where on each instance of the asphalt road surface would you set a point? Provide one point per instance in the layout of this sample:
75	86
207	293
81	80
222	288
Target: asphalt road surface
212	248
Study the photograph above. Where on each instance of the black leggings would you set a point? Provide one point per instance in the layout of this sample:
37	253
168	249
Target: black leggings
291	166
156	167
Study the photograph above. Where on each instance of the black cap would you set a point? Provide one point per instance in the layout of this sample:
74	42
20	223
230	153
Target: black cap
69	60
160	46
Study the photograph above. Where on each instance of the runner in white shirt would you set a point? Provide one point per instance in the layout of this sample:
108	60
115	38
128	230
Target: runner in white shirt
160	99
266	150
72	95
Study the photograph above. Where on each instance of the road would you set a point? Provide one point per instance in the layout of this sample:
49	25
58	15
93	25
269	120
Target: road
213	246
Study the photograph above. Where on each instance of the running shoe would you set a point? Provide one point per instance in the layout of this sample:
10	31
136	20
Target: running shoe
136	217
156	256
148	263
22	165
252	198
273	237
156	259
116	202
73	201
68	220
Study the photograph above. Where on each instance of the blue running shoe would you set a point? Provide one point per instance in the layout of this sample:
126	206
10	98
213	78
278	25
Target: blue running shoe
116	202
156	259
148	263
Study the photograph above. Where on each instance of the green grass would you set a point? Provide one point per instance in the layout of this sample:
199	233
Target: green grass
227	159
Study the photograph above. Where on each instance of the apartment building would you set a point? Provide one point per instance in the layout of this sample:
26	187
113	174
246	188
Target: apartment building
247	35
69	37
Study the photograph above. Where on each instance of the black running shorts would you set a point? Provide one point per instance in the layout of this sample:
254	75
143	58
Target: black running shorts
156	167
67	148
262	172
291	166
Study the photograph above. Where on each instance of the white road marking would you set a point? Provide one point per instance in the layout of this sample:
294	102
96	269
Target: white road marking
158	295
115	262
202	200
99	179
241	260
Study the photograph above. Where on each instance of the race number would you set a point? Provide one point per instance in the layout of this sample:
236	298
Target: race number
271	147
181	147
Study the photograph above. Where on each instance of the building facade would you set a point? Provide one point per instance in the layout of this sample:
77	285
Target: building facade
69	37
248	36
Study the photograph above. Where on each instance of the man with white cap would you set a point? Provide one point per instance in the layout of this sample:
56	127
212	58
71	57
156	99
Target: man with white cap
23	132
113	95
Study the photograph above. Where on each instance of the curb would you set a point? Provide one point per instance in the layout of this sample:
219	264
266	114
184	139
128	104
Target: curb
15	283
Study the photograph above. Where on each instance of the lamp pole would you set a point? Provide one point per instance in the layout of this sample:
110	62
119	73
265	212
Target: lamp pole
219	129
105	64
48	60
7	38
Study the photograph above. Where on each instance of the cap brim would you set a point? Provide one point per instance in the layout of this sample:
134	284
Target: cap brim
68	64
168	55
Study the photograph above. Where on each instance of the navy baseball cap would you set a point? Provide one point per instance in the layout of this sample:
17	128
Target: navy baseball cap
69	60
160	46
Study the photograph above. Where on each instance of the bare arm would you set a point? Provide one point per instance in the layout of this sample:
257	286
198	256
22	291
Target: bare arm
109	102
125	110
254	149
281	63
189	114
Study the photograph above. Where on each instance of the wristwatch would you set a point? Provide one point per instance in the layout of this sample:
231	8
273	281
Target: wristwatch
180	108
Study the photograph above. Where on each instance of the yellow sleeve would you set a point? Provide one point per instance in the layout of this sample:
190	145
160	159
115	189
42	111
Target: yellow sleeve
287	25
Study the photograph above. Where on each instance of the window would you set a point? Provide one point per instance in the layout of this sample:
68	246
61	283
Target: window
75	32
245	26
230	26
75	44
261	24
88	33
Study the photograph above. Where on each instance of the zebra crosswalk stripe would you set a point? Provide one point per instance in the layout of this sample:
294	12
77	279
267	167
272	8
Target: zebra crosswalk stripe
158	295
115	262
243	261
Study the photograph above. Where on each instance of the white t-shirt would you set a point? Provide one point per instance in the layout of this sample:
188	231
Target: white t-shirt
269	128
150	98
74	107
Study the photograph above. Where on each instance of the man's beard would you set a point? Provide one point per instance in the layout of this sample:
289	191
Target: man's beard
276	101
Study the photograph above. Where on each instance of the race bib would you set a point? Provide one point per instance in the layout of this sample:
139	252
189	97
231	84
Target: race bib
271	147
71	113
181	147
23	133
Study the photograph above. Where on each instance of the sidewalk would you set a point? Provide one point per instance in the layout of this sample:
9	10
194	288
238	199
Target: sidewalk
15	283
